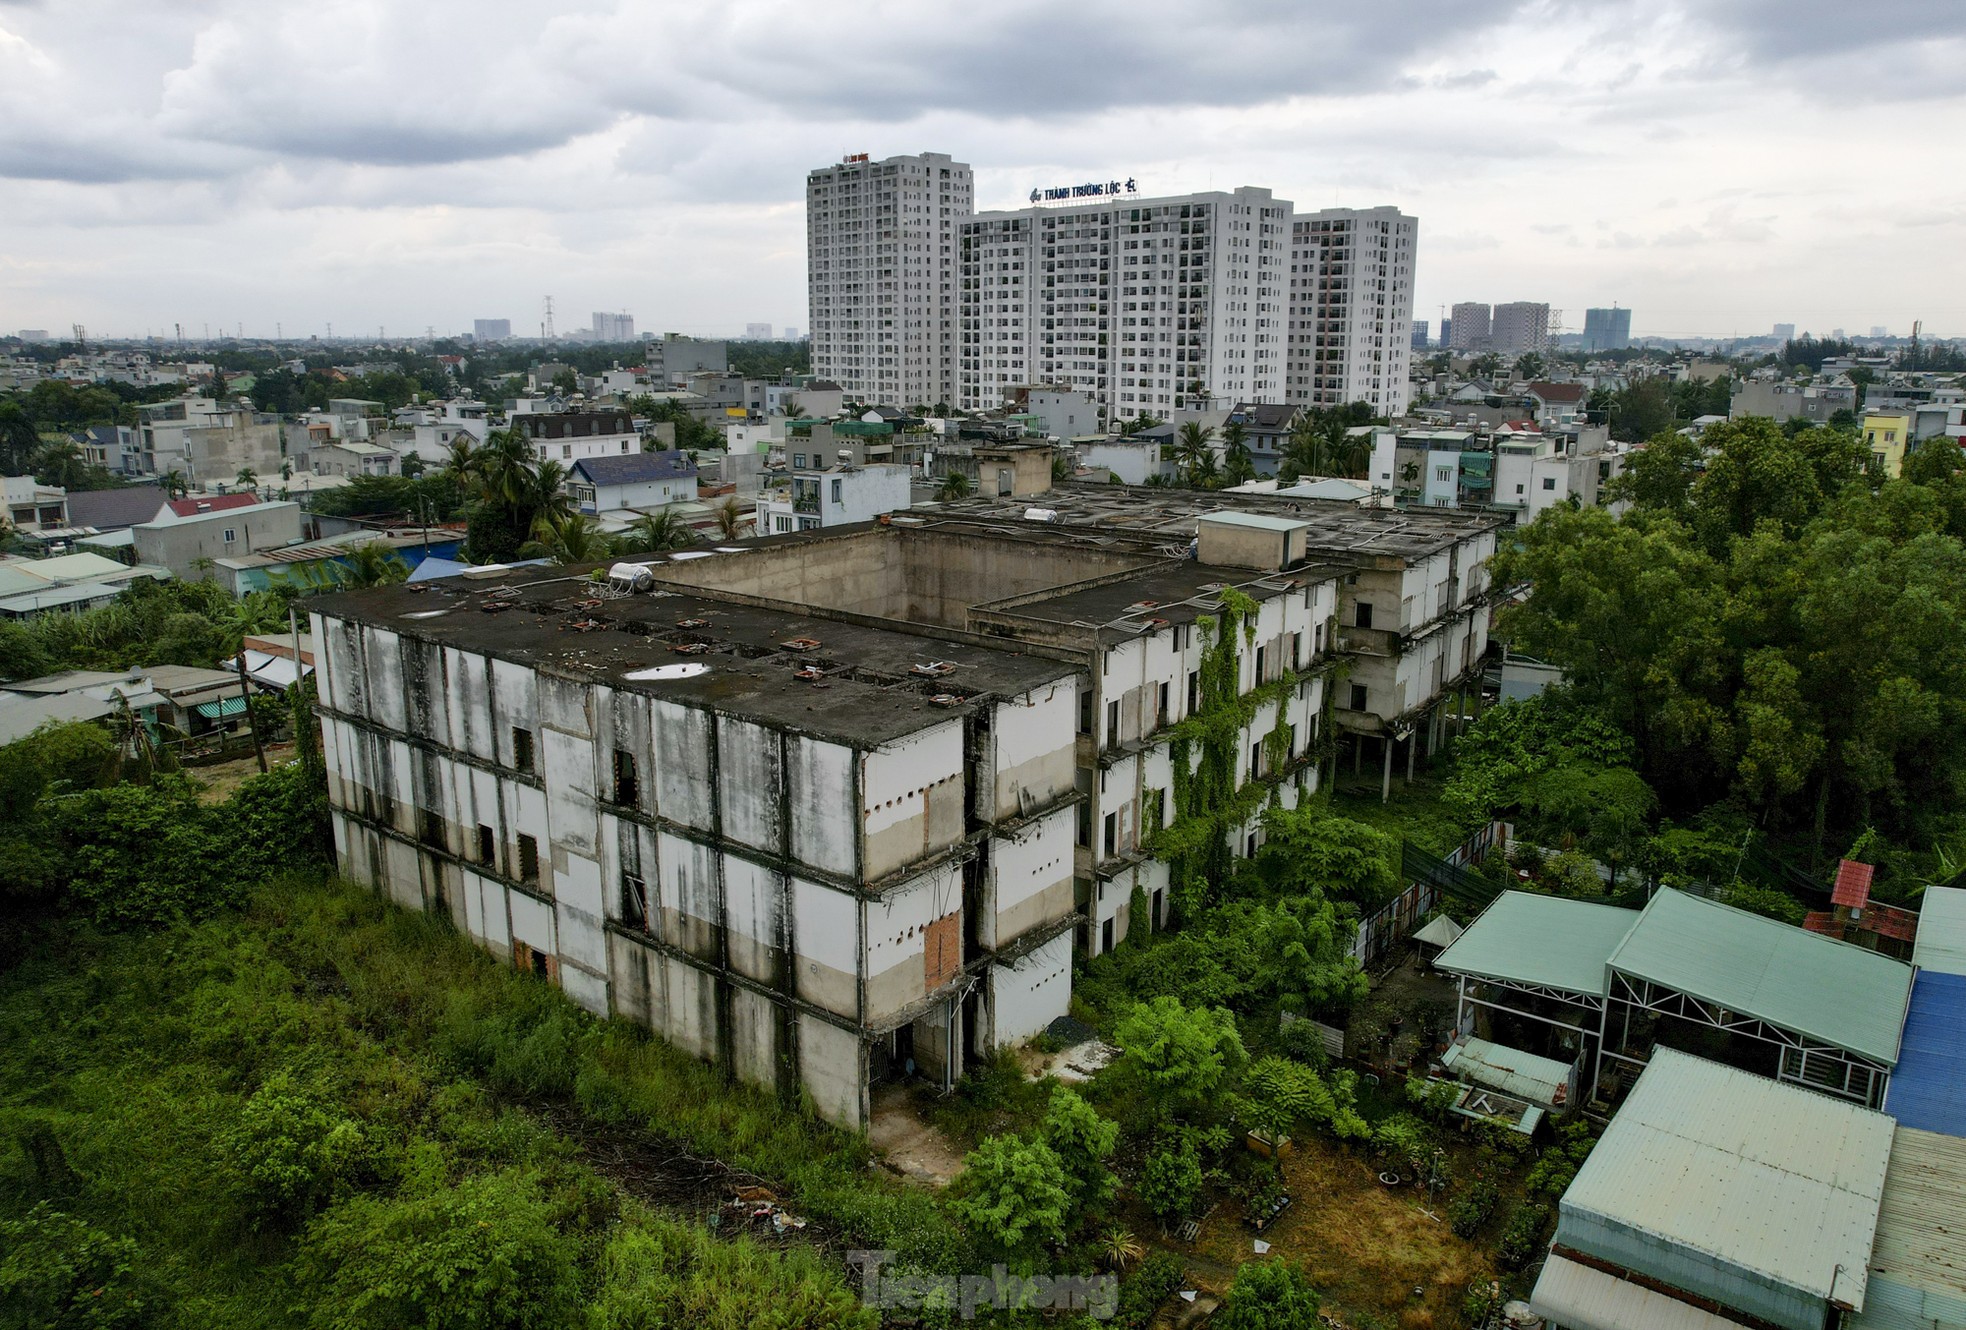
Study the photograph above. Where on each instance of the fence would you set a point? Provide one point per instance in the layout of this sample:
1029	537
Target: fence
1430	880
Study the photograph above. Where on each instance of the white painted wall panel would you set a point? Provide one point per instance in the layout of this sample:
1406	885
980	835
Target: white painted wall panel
1027	996
820	801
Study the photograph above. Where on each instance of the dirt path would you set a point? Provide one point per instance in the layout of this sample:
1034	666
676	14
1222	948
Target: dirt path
220	780
909	1146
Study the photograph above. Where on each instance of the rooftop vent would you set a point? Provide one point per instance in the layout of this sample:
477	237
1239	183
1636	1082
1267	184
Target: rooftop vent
692	623
802	644
690	648
948	699
935	668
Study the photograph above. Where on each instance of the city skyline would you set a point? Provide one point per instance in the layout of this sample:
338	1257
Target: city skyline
203	166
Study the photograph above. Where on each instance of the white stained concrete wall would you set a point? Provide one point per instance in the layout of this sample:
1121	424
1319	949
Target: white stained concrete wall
1030	879
826	927
897	944
1033	745
1031	993
819	788
912	798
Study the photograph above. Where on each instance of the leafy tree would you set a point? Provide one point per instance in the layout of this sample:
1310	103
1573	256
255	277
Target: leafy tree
1659	476
1764	901
955	485
1015	1196
1170	1180
486	1253
1643	410
1307	850
1270	1295
372	563
1178	1056
1083	1142
292	1146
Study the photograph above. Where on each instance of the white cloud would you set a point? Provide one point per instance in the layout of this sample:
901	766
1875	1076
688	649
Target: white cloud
389	162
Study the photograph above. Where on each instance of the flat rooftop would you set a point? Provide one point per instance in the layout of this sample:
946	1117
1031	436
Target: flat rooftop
1338	529
1171	592
853	683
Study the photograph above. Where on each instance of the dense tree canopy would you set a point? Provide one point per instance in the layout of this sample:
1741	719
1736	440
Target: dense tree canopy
1777	632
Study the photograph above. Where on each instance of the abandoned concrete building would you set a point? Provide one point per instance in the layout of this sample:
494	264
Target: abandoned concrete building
830	808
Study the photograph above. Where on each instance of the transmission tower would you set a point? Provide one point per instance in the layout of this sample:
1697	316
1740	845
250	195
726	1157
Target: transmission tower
546	327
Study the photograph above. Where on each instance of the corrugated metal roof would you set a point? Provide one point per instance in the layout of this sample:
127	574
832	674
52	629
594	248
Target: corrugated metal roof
1756	966
1575	1295
1260	521
1759	1195
1548	940
1941	943
1440	931
1918	1262
1928	1086
1509	1070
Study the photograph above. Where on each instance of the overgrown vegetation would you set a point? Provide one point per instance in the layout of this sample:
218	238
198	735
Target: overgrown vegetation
1773	640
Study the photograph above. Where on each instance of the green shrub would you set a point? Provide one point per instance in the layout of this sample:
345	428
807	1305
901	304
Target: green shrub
1170	1181
292	1146
1522	1238
58	1273
1473	1209
1143	1291
487	1252
1269	1295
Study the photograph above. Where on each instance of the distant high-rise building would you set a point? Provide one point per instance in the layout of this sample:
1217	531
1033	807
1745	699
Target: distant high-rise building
1520	326
491	330
757	332
1420	329
1061	296
1785	331
614	327
881	274
1470	323
791	333
1879	330
1446	331
1351	308
1607	329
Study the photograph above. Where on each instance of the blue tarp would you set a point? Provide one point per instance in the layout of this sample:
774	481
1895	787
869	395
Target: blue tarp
1928	1088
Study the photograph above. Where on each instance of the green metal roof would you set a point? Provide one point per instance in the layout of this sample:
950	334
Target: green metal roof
1832	991
225	706
1509	1070
1759	1195
1550	941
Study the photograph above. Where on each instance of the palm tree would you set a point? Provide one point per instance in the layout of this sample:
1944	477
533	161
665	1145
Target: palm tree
370	564
655	532
1192	453
461	459
62	463
174	484
954	486
730	518
19	439
576	539
548	499
1237	465
247	478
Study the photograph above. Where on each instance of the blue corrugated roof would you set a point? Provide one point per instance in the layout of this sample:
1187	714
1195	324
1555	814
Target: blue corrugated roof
636	468
1928	1088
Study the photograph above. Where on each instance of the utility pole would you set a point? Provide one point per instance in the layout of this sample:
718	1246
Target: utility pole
245	695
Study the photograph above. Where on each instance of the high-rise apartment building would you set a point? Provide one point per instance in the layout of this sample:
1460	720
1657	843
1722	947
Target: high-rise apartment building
1607	329
614	327
1785	331
880	272
1519	327
1145	305
1421	328
1351	307
491	330
1470	326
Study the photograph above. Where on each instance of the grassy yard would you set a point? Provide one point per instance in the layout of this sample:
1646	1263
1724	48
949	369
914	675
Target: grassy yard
1381	1256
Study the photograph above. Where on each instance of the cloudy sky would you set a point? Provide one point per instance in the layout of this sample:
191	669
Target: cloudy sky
1715	166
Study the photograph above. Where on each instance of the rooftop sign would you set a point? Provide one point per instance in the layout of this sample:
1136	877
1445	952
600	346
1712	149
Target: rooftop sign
1095	190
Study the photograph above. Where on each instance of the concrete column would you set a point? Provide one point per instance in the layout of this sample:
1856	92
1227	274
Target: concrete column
1386	781
1412	746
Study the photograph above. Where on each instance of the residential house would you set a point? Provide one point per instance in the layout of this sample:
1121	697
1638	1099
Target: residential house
834	496
190	545
637	481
